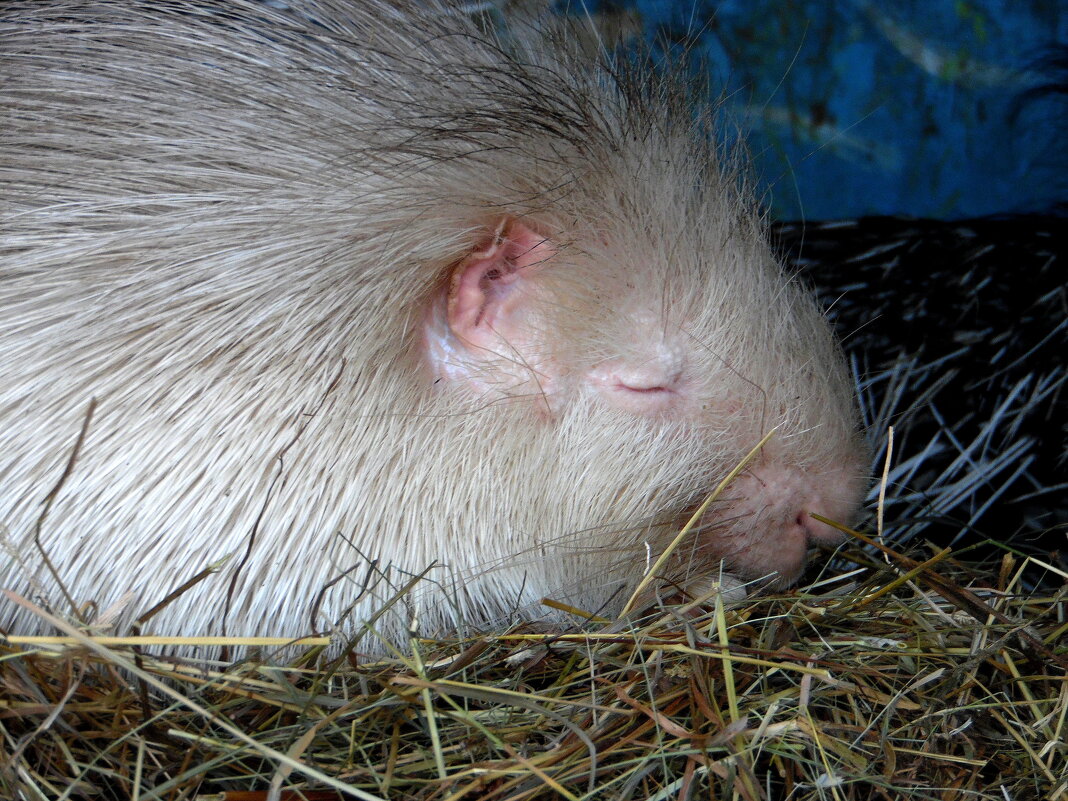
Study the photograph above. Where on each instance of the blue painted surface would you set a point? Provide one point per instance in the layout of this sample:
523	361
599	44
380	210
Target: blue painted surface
907	107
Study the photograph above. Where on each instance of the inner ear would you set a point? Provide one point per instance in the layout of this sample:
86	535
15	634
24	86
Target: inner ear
492	289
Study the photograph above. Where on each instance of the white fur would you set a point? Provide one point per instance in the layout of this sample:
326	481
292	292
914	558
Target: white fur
233	237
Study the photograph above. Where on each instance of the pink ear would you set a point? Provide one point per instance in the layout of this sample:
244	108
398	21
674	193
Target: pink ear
491	290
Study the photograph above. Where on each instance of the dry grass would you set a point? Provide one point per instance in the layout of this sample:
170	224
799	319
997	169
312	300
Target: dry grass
898	679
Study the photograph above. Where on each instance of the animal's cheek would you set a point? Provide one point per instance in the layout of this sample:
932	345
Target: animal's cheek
497	368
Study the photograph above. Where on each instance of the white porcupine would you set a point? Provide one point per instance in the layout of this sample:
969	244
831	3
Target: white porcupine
357	293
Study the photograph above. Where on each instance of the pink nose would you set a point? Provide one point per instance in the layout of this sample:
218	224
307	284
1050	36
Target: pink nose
769	512
788	495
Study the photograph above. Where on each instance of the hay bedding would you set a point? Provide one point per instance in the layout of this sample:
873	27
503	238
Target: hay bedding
899	679
923	677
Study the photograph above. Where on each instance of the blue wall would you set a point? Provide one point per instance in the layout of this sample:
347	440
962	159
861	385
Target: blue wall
909	107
